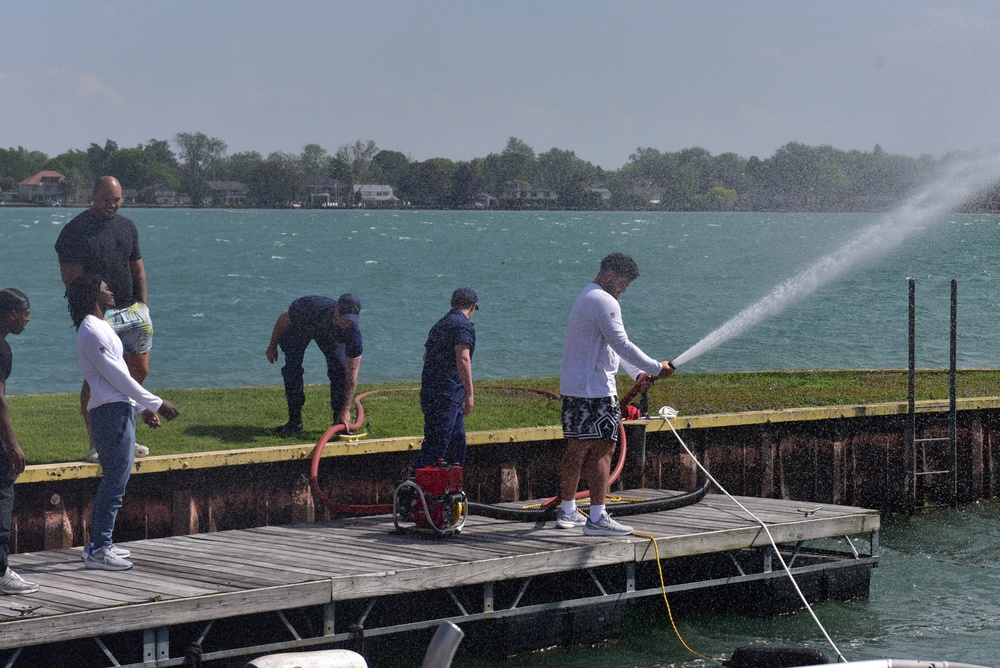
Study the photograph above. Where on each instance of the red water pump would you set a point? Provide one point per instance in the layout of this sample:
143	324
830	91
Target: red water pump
433	499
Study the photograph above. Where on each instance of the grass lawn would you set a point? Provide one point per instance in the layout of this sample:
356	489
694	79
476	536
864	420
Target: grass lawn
50	428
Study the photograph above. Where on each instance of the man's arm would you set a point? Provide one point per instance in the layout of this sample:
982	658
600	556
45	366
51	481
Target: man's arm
281	326
351	367
167	410
15	456
463	360
70	271
645	380
140	291
631	356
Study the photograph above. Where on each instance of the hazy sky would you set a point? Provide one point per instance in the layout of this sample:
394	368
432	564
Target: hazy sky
455	79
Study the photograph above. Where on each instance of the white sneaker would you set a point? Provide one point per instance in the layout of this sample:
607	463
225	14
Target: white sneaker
140	451
564	521
12	583
605	526
102	558
115	550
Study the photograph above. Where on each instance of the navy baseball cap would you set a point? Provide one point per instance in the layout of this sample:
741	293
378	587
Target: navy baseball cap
465	297
350	307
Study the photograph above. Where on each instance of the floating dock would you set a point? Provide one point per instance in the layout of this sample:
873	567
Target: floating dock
858	455
256	591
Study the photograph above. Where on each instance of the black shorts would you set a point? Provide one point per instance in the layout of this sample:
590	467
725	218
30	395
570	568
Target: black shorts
591	418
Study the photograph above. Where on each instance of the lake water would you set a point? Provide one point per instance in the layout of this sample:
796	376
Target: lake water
934	597
218	279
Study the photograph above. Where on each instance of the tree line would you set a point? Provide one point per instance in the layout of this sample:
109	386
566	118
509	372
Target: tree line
796	178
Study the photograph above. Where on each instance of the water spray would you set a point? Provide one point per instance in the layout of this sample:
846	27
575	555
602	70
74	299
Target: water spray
958	184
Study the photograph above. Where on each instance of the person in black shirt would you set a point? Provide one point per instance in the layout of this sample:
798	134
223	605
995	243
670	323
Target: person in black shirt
99	241
15	312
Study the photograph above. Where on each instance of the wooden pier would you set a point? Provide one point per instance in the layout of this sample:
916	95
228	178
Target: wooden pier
257	591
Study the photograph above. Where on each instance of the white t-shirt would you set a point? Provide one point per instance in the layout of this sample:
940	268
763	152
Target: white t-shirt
595	344
100	353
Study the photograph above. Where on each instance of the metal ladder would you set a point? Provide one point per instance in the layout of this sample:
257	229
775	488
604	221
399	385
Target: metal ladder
922	448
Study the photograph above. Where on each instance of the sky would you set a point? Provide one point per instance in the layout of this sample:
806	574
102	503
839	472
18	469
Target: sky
456	78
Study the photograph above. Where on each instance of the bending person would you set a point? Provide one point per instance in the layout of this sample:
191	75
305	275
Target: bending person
113	397
333	325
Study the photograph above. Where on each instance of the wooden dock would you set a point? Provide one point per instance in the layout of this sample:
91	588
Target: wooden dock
321	584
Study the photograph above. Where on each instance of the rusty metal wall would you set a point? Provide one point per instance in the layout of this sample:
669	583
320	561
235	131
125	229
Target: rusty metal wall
858	460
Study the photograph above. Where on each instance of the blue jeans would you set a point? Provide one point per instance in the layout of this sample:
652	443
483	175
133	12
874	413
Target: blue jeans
6	508
112	427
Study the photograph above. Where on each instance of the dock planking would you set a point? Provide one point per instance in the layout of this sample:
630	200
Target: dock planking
200	577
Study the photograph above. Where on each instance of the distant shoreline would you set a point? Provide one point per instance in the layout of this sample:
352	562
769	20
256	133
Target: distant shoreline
139	205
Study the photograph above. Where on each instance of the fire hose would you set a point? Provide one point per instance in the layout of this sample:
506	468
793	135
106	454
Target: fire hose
547	509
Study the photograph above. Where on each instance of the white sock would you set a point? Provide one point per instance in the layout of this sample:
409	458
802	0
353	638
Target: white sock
568	507
596	511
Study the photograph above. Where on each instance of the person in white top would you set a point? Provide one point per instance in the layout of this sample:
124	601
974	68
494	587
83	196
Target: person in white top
114	395
596	343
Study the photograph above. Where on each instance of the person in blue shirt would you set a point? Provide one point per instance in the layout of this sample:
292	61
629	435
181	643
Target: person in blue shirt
446	393
333	325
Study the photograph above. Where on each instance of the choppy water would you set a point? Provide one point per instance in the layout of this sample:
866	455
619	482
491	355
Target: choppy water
934	597
218	279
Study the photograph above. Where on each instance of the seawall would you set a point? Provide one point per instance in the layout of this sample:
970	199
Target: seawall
856	455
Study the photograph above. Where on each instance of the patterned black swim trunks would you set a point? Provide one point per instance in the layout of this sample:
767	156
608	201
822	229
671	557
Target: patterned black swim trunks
591	419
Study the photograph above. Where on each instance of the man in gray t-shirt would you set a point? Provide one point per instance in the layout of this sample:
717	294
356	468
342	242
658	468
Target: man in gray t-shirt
100	241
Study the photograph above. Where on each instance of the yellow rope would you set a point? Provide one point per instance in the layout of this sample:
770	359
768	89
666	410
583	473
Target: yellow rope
663	589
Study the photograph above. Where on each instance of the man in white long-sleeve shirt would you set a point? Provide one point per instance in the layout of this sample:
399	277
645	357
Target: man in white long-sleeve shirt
114	395
596	343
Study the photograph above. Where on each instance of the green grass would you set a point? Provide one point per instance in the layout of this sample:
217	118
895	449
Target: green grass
50	428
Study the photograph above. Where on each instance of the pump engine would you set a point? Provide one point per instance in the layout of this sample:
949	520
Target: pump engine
433	499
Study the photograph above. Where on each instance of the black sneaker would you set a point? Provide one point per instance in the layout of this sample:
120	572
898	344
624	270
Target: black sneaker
288	428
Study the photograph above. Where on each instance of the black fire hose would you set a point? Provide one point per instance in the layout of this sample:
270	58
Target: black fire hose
548	510
544	513
619	509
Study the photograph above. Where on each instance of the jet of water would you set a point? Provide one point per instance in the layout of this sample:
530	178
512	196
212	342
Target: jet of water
959	183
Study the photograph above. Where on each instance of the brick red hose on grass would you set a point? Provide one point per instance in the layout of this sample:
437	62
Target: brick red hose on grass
347	508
